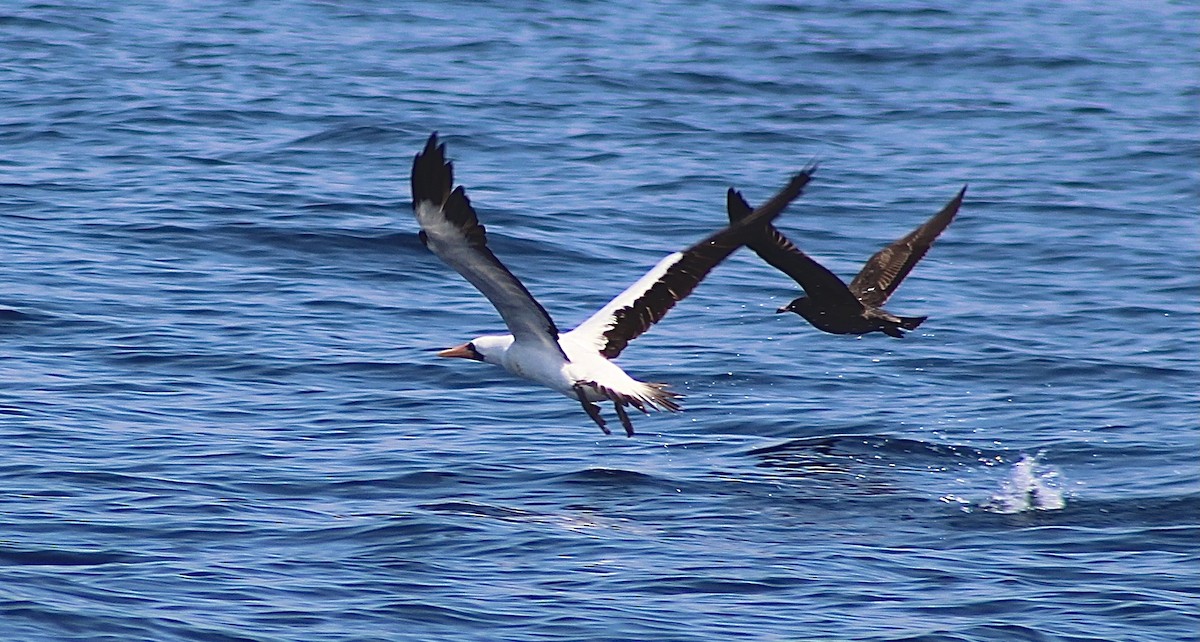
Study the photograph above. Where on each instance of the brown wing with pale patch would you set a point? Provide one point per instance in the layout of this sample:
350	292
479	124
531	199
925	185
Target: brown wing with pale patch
884	271
680	278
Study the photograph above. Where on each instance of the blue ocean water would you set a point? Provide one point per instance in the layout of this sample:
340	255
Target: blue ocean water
221	417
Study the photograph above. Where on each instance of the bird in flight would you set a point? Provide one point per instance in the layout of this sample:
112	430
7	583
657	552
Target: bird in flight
578	363
831	305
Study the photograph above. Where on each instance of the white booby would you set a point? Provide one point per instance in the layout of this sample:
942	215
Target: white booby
576	363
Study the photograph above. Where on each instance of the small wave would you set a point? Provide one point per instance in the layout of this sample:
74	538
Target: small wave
56	557
613	477
9	314
351	132
1030	485
33	24
250	238
867	447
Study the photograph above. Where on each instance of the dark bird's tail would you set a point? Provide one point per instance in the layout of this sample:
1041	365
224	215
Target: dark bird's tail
896	328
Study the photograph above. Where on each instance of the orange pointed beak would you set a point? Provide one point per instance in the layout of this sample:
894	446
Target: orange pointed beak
464	351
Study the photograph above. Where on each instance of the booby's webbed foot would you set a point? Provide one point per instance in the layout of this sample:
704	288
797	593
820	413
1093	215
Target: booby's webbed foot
591	409
624	416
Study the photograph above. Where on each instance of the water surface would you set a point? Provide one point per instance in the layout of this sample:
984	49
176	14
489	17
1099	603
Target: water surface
221	417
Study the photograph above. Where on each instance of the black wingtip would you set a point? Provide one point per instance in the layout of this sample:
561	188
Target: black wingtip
434	150
432	174
736	206
768	211
948	212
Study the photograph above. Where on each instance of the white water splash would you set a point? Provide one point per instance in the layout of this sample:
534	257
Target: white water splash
1030	486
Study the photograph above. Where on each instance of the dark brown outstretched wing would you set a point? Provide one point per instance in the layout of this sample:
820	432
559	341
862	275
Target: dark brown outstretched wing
884	271
450	228
772	246
649	299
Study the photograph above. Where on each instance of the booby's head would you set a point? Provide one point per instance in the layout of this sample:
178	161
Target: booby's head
489	349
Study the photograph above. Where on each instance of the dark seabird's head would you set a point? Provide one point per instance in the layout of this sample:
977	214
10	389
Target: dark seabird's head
801	305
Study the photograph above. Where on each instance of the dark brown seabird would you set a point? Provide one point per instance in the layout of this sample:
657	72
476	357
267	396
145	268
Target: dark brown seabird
831	305
578	363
